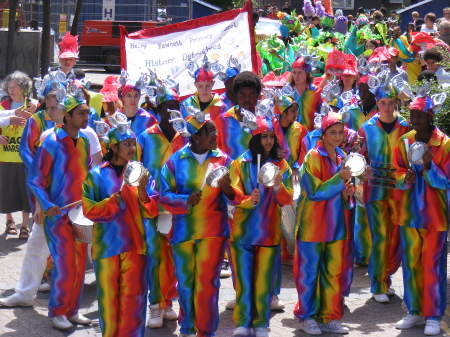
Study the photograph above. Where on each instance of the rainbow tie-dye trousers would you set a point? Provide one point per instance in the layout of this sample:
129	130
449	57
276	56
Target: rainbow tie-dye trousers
255	270
385	256
69	264
318	274
424	264
362	240
121	294
197	268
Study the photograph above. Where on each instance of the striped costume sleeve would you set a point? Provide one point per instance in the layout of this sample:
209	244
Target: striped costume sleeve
172	201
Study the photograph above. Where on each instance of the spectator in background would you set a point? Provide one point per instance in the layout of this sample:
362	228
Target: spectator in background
414	17
432	57
444	31
429	25
446	16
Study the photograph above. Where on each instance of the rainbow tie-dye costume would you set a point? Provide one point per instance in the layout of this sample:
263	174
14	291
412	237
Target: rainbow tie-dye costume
308	104
198	237
319	259
255	239
232	138
226	101
423	217
118	250
58	171
290	141
155	149
380	200
214	109
141	121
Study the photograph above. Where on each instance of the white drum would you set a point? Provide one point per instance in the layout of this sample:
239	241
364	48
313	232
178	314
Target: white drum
267	174
215	175
164	223
416	152
288	226
82	226
356	163
133	173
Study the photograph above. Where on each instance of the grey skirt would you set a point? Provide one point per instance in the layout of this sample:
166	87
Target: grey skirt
13	190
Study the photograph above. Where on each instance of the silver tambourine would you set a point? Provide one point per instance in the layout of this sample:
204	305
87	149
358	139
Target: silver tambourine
356	163
133	173
82	226
416	152
267	174
215	175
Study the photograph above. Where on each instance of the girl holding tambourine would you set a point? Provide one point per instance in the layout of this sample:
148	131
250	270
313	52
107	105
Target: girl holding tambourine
320	245
118	244
256	229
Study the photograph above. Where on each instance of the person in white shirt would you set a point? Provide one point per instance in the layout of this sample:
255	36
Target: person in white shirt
429	26
432	57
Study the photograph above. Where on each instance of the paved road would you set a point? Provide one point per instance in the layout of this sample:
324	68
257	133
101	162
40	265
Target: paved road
364	316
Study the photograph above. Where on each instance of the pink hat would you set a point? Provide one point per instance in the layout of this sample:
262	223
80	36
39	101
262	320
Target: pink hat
68	47
330	119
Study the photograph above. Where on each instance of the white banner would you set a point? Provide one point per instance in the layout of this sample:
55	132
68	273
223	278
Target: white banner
168	54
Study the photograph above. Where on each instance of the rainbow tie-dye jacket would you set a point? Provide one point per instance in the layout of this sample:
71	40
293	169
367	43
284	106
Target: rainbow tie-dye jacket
424	203
291	141
308	104
182	175
214	109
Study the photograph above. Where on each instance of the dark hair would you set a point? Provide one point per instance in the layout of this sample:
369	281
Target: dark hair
108	155
79	74
374	42
247	79
314	17
431	17
377	15
255	147
432	54
308	79
427	75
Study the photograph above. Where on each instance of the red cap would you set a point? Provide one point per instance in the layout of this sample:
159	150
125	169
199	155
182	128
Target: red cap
68	47
424	104
364	79
264	125
202	75
299	63
330	119
350	65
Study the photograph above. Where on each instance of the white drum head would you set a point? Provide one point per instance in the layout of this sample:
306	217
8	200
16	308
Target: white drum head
416	152
215	175
267	174
133	173
77	217
356	163
164	223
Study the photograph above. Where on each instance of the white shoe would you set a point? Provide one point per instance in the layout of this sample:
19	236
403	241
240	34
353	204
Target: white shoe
381	298
230	304
409	321
432	327
44	287
170	314
80	319
390	292
276	304
16	300
310	326
61	323
261	332
225	271
334	327
156	317
241	331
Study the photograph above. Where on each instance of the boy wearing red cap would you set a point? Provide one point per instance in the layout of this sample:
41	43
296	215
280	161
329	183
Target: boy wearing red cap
423	218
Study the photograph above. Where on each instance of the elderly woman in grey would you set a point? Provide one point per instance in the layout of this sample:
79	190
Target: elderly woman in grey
15	108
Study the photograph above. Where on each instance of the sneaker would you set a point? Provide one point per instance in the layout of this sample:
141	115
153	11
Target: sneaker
261	332
61	323
16	300
334	327
432	327
409	321
170	314
276	304
44	287
80	319
156	317
310	326
225	272
241	331
381	298
390	292
230	304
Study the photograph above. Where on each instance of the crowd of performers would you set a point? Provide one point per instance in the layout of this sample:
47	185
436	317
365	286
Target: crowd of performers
224	174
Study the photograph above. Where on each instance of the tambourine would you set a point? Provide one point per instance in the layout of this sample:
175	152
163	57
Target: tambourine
416	152
133	173
82	226
267	174
356	163
215	175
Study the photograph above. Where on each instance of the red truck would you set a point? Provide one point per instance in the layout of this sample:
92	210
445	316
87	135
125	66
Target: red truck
100	41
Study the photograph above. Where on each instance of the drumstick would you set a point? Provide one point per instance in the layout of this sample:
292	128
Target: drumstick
258	166
71	204
405	141
208	169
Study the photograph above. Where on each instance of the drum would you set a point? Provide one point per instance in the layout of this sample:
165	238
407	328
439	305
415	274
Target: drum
288	226
133	173
164	223
297	188
82	226
215	175
416	152
267	174
356	163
